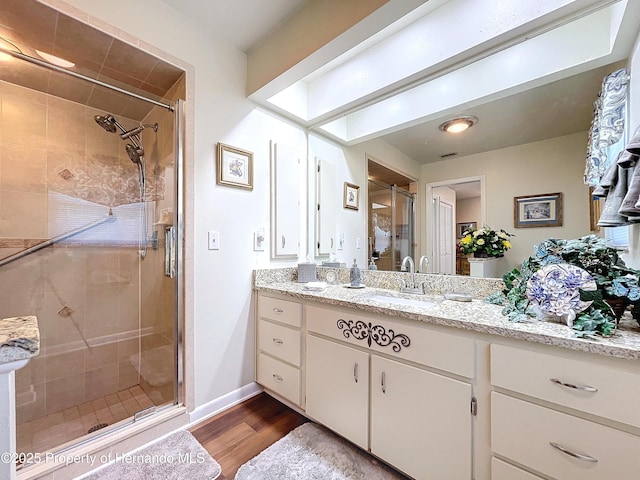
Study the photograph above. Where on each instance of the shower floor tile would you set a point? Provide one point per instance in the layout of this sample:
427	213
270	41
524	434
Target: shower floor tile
56	429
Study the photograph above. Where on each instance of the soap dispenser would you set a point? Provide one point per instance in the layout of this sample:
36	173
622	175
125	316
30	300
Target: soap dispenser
372	265
354	274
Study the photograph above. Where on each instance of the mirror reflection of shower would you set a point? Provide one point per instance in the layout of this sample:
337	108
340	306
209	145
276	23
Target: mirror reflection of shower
135	151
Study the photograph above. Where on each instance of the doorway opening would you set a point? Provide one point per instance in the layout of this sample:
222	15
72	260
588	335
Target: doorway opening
390	216
453	205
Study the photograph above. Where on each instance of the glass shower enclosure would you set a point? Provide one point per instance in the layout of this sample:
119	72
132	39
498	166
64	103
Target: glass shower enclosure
391	225
88	213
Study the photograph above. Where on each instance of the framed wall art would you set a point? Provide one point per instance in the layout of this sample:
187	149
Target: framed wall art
544	210
235	167
351	196
463	227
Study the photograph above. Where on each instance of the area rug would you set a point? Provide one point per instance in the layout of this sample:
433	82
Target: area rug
311	452
176	457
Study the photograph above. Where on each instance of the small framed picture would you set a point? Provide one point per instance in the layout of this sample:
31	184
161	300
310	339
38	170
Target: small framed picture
351	196
463	227
544	210
235	167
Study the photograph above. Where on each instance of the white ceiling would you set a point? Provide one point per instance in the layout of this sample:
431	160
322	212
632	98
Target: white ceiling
241	23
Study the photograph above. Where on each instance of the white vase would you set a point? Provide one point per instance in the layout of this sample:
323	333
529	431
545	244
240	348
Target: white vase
484	267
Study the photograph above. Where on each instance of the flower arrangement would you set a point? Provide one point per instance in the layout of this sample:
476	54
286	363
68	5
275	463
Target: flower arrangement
485	242
617	286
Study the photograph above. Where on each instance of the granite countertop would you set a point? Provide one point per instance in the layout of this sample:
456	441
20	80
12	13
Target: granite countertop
19	338
475	316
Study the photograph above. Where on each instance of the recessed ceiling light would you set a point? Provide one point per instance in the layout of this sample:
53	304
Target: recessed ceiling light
458	124
60	62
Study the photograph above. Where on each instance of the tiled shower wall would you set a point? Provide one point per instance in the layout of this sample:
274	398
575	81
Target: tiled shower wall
51	151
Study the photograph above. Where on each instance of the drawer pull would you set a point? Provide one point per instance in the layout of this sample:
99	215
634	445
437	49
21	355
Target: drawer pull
277	310
278	341
584	388
383	383
278	378
579	456
355	372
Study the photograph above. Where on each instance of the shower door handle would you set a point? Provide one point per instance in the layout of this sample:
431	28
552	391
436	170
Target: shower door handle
169	252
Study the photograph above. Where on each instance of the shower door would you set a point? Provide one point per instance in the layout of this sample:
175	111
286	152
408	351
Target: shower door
87	223
391	225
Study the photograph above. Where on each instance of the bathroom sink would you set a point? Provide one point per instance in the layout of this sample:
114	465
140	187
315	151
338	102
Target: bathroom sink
413	302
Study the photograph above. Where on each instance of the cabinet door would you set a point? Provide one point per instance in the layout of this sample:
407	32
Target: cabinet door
286	201
420	421
325	207
337	379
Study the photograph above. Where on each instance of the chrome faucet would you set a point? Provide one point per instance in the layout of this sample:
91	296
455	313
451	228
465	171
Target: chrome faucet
425	260
411	288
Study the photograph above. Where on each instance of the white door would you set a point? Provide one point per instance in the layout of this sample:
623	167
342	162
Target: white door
420	421
337	388
444	236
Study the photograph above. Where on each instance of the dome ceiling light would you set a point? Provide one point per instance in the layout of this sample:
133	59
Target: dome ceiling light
458	124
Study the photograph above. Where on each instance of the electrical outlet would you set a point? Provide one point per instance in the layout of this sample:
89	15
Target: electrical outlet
214	240
358	242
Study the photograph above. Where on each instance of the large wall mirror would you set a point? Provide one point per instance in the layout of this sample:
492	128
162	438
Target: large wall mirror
531	142
533	111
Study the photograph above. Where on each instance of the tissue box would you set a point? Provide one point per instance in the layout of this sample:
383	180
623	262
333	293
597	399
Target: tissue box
306	272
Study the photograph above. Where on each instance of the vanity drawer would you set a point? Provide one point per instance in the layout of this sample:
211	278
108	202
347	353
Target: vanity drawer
537	375
280	341
406	339
279	310
523	432
504	471
279	377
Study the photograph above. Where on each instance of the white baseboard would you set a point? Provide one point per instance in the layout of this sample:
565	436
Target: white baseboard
222	403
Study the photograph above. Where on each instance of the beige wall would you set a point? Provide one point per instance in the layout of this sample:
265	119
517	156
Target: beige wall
549	166
468	210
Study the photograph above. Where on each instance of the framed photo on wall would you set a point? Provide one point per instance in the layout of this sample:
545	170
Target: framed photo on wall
544	210
351	196
463	227
235	167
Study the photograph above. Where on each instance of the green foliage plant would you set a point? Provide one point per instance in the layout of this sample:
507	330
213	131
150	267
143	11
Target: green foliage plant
616	283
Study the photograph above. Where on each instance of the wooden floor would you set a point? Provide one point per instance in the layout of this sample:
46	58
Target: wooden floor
240	433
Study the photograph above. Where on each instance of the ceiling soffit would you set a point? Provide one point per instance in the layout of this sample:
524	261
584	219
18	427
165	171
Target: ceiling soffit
502	59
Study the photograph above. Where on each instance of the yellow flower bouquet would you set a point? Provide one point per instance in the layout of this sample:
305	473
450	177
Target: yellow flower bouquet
485	242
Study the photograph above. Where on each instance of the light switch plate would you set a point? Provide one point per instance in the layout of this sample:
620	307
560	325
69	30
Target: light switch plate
214	240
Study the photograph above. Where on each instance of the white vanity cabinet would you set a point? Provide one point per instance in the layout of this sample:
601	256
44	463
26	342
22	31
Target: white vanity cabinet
363	381
337	388
565	416
279	347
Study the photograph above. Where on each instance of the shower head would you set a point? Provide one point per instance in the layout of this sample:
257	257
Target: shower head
135	153
107	122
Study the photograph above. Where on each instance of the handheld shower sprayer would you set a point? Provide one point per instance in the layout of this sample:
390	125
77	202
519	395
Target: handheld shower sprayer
135	151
